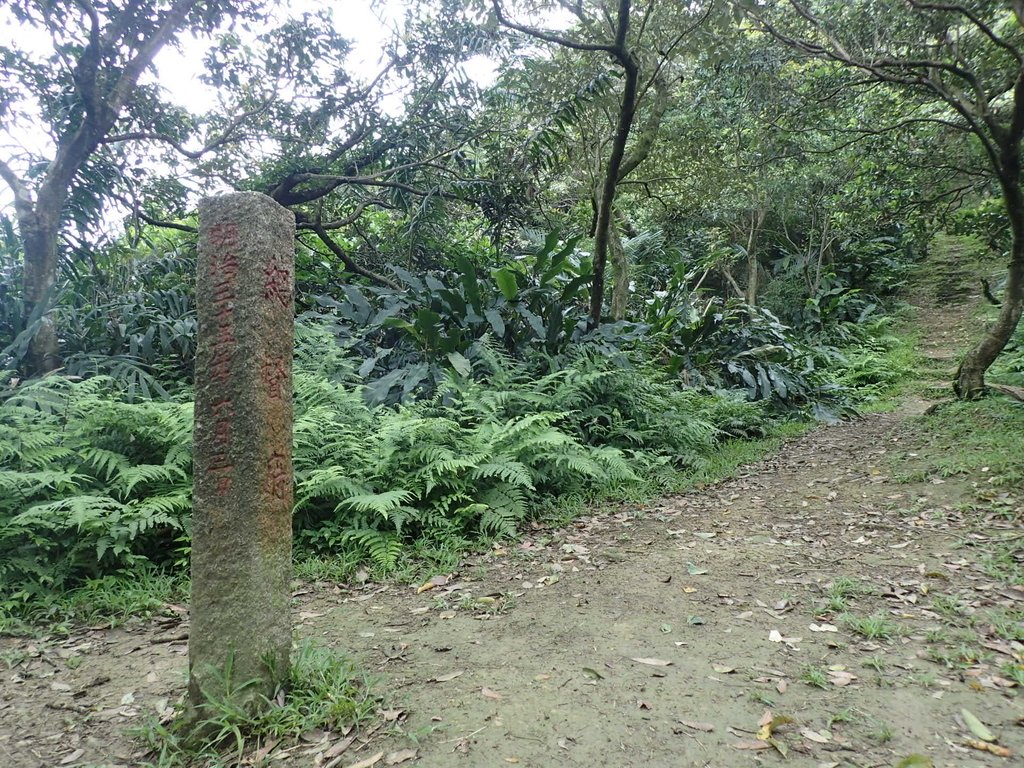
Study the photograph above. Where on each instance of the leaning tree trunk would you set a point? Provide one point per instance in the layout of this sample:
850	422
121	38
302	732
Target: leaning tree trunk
970	376
39	237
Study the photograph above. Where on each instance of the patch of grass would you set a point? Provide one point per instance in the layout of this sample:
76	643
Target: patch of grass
876	663
1014	672
846	587
733	454
335	568
760	697
979	440
924	679
848	715
881	732
840	591
323	690
874	627
1007	625
109	600
936	635
1004	561
958	657
948	606
814	677
12	657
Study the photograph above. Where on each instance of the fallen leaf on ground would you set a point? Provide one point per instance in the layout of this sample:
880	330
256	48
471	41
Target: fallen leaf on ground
768	724
436	581
722	669
394	758
695	570
337	749
266	749
824	628
752	745
698	726
489	694
984	746
72	757
368	762
447	677
840	678
652	662
976	727
591	672
814	736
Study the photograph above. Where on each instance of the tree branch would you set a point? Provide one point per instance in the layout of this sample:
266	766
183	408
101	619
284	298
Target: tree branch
550	37
22	197
350	265
226	136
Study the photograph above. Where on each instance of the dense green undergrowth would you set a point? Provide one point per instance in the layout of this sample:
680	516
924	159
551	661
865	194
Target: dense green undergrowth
429	420
97	482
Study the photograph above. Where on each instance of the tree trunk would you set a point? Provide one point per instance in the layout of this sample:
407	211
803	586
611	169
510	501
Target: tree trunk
39	238
970	376
604	231
620	274
753	265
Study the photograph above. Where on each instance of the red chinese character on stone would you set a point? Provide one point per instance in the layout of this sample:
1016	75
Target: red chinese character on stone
279	476
277	284
275	378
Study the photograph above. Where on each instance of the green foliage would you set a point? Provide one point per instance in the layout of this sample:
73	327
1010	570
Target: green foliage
472	461
731	345
406	340
90	484
985	220
94	484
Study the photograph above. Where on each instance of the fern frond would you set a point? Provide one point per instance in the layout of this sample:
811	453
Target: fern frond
379	503
130	477
107	463
508	471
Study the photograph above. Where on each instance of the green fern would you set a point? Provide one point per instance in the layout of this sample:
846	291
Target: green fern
384	550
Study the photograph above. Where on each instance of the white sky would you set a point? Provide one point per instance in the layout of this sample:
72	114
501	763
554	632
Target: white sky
367	24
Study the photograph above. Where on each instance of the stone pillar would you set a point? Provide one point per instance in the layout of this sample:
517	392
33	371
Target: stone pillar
242	493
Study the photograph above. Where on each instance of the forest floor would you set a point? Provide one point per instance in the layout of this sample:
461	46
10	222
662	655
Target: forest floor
841	591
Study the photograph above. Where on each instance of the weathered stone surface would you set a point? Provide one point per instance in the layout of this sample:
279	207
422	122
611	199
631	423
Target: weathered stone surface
242	496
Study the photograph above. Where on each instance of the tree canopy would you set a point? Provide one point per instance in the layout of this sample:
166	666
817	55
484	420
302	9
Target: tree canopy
768	152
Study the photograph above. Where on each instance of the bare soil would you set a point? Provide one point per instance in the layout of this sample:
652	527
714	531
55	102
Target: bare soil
654	635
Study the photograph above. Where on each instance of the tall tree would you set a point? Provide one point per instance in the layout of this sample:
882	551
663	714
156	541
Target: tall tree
967	56
641	38
80	91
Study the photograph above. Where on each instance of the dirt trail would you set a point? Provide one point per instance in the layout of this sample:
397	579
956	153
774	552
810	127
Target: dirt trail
648	636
